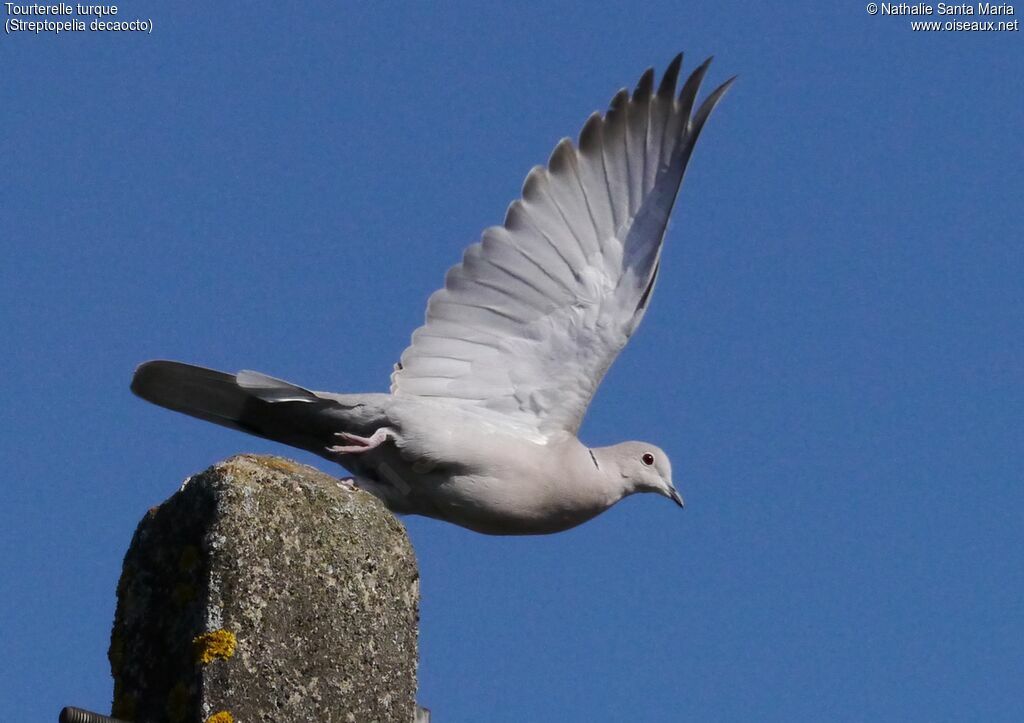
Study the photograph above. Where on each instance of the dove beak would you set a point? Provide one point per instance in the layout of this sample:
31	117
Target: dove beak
676	497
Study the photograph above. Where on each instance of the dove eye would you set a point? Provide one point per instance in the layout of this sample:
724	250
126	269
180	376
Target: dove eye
647	459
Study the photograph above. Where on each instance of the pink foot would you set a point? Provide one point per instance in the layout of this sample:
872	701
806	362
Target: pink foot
360	444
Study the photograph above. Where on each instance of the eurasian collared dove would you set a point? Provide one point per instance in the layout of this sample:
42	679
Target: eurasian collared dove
479	428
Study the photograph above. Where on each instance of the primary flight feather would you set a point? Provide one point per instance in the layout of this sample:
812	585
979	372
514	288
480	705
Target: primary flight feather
479	428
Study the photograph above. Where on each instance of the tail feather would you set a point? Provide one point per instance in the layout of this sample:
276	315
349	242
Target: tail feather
260	405
204	393
270	389
249	402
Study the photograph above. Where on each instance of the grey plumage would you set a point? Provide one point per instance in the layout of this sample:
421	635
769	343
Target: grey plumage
480	425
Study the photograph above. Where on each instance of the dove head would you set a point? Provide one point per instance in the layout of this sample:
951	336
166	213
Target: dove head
645	468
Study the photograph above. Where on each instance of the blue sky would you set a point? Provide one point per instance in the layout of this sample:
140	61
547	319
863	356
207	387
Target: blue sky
833	356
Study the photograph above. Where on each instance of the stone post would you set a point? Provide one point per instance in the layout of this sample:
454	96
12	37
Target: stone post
265	590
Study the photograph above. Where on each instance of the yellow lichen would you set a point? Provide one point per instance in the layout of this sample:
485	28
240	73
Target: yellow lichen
280	464
215	645
221	717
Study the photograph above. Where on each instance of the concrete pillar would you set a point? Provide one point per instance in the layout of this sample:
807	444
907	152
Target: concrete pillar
264	590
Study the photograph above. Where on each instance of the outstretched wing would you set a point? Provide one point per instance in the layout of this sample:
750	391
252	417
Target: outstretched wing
528	324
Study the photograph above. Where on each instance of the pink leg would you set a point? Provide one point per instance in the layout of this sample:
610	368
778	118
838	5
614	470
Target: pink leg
360	444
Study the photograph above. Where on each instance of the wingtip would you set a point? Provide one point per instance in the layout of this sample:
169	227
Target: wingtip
721	90
688	93
644	86
532	184
703	67
590	134
709	104
561	157
717	93
620	99
667	87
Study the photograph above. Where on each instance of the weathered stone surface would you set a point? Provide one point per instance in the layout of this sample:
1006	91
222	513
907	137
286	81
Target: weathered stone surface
266	590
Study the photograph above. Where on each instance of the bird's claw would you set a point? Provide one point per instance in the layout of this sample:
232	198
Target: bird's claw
359	444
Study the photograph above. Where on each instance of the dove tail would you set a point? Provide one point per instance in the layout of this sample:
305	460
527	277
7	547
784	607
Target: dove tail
248	401
204	393
260	405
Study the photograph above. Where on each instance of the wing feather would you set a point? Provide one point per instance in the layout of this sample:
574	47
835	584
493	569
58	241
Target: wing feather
616	167
528	324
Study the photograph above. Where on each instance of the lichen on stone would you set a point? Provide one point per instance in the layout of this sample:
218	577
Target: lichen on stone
215	645
221	717
281	464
